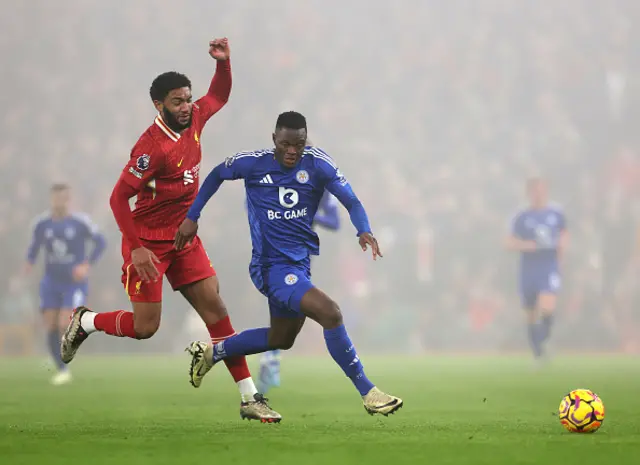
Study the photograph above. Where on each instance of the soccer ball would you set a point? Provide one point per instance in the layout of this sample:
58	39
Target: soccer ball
581	411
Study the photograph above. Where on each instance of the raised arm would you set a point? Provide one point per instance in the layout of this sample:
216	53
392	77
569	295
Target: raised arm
220	89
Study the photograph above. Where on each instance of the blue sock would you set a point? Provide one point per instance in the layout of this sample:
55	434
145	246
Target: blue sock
53	341
534	339
343	352
545	327
251	341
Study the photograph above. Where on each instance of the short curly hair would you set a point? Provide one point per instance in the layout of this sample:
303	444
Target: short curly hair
165	83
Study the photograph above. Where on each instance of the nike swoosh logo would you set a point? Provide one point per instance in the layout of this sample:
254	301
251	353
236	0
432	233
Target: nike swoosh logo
198	373
389	404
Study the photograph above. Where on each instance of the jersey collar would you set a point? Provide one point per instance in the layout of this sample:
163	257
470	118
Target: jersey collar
171	134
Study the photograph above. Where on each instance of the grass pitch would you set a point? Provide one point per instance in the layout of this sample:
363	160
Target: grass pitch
457	411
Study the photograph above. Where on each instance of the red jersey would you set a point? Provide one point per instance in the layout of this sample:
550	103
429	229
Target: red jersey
164	166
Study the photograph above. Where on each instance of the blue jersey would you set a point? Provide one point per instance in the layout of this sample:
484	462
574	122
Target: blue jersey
544	226
281	202
65	242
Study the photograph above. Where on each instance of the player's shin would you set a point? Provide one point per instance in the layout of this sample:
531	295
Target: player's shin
546	322
344	353
53	342
237	366
251	341
118	323
534	338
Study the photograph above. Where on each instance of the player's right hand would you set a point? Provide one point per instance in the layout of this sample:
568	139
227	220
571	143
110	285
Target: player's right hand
144	261
186	232
219	49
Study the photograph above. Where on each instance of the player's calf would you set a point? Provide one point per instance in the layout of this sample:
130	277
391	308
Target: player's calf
317	305
546	306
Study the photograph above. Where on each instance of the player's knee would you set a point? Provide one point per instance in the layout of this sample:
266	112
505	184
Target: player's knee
146	330
282	341
286	343
332	316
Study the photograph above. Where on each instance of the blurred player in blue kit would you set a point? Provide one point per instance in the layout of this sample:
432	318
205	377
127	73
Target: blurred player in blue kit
539	233
64	285
284	186
327	217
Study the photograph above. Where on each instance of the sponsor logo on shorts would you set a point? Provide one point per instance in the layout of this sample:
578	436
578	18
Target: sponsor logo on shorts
291	279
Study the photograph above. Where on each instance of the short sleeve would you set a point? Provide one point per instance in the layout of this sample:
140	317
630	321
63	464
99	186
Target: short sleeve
238	166
144	163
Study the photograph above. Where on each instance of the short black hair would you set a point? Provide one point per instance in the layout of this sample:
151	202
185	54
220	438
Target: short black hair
59	187
291	120
165	83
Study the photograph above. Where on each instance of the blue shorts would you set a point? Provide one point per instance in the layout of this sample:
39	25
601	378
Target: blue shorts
534	285
283	284
55	295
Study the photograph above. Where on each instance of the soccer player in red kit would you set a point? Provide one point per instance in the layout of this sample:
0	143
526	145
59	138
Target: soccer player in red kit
163	173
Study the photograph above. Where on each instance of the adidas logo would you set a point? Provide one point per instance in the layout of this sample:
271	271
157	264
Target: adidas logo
266	180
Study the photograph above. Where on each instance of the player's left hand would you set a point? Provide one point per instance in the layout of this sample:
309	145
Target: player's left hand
186	232
81	272
219	49
367	239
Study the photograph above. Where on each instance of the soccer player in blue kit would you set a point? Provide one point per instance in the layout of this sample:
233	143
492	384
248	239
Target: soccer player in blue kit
284	186
64	285
539	233
327	217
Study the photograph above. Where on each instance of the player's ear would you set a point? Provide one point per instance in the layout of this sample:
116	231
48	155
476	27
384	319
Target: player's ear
273	138
159	105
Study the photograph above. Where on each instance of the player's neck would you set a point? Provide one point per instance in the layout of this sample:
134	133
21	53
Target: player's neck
539	206
59	214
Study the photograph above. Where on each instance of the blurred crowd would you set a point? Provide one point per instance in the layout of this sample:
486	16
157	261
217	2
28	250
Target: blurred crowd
437	112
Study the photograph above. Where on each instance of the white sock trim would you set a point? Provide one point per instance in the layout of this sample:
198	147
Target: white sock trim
247	389
87	322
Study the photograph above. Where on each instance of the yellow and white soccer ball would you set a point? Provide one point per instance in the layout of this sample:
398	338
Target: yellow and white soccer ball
581	411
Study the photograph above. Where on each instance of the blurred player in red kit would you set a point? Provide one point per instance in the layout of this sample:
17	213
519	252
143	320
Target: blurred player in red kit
163	173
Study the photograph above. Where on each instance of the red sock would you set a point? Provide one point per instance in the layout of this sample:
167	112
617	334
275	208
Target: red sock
118	323
237	366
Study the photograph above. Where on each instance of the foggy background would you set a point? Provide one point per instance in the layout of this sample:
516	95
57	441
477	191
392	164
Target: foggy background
436	111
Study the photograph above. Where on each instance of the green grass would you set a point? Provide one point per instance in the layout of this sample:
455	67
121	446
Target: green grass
457	411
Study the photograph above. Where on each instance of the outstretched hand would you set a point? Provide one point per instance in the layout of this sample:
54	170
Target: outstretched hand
219	49
367	240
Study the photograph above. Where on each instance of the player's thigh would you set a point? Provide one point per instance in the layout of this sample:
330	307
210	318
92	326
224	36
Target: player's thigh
321	308
284	285
146	318
190	265
548	295
547	302
204	298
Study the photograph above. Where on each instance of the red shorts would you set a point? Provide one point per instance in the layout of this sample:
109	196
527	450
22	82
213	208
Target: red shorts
187	266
